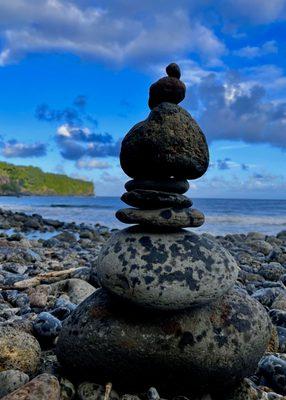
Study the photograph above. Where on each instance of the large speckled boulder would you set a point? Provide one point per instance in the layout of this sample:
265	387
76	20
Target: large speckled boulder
165	270
168	143
216	345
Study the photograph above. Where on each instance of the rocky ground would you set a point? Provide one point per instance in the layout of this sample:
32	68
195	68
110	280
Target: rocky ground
43	279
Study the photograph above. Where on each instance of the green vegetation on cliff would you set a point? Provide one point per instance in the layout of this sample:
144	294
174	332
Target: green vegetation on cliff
22	180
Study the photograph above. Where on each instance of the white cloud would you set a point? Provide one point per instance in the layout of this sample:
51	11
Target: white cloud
92	164
269	47
105	31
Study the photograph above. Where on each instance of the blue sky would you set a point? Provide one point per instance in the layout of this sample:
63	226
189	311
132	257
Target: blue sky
75	75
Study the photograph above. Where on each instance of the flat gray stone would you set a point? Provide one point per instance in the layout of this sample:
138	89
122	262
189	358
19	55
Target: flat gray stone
164	185
216	345
154	199
165	271
164	217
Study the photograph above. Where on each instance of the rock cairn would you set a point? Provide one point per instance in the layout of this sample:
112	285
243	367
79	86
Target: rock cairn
168	313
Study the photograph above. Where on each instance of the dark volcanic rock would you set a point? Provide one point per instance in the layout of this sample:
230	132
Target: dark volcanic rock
155	199
163	185
216	345
273	369
165	271
163	218
168	89
173	70
168	143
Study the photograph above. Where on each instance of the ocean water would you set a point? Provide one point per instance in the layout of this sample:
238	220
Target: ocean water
222	215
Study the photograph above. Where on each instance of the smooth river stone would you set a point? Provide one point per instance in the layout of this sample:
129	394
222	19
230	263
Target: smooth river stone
155	199
168	271
169	143
163	218
210	347
162	185
168	89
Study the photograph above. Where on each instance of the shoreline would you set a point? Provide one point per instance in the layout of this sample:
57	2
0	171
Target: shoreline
48	267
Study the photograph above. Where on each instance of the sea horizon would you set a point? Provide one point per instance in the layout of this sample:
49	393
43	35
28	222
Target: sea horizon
223	215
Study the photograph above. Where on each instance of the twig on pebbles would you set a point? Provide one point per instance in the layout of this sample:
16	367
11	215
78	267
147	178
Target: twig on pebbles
108	388
47	277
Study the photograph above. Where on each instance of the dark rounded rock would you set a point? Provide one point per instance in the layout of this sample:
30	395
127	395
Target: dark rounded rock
155	199
216	345
281	338
173	70
273	369
169	143
47	326
163	185
278	317
165	271
162	218
167	89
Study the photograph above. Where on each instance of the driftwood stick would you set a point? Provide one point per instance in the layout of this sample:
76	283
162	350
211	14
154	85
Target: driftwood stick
108	388
46	277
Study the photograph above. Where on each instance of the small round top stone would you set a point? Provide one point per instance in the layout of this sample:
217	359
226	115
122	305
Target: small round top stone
173	70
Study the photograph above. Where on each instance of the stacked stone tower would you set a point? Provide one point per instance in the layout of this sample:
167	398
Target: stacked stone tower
168	312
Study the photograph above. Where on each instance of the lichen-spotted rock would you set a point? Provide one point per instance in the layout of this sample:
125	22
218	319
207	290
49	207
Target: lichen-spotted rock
170	217
216	345
171	270
169	143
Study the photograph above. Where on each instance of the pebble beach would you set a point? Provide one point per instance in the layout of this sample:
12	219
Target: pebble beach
44	279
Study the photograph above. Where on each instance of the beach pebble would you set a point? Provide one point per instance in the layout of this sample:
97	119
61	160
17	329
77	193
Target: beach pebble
273	369
168	143
105	337
66	236
272	271
261	246
19	350
166	271
162	218
173	70
94	391
43	387
282	339
171	185
155	199
46	326
68	391
11	380
280	302
78	290
278	317
266	296
153	394
39	295
168	89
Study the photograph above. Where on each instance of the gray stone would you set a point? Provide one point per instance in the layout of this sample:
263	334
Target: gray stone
163	185
19	350
165	271
11	380
94	391
163	218
273	369
168	143
79	290
43	387
216	345
155	199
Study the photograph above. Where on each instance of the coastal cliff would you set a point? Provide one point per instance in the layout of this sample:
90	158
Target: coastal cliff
27	181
